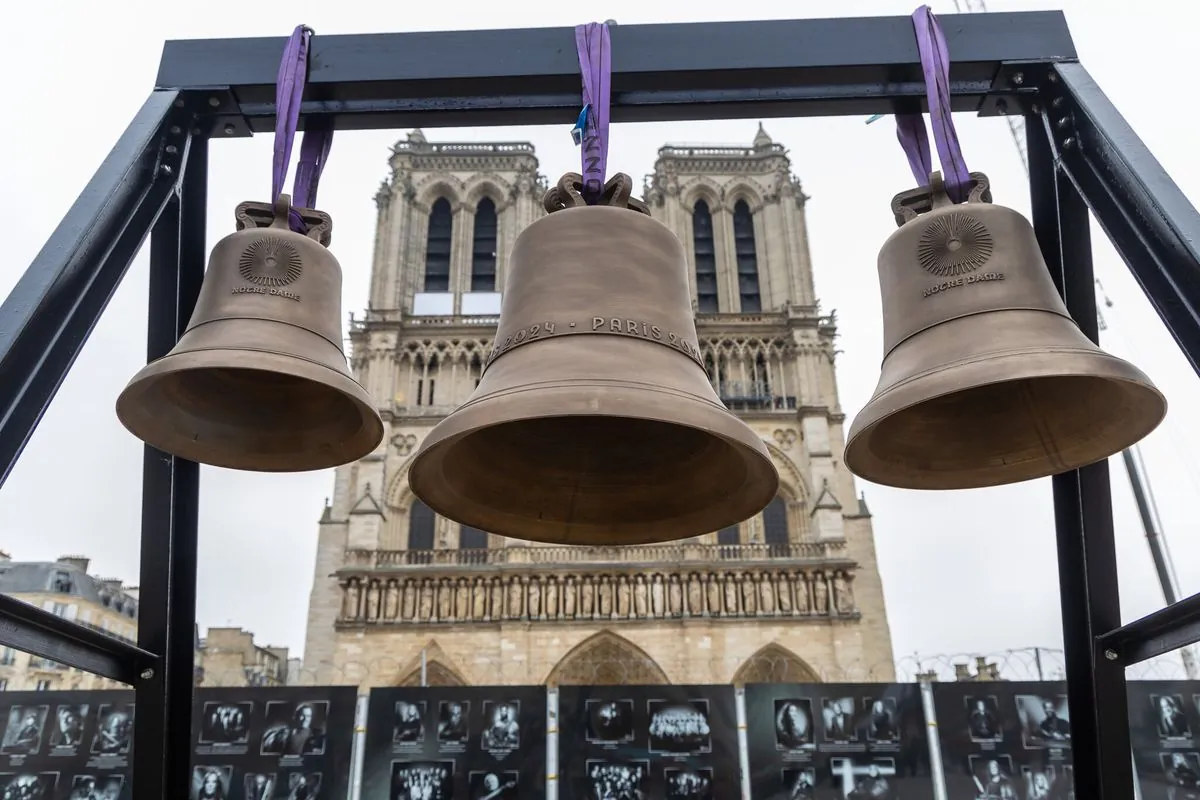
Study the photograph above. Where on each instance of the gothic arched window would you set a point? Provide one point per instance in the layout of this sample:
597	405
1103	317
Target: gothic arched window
483	254
728	535
775	524
437	247
706	259
747	257
472	538
420	526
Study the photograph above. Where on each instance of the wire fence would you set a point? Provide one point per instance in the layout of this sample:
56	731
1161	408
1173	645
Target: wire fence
611	666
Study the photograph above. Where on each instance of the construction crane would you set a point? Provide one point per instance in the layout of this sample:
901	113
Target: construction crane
1135	466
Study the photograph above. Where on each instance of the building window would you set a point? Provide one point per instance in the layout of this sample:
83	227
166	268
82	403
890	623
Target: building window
3	684
425	382
62	582
472	538
483	254
8	656
42	686
706	259
747	257
775	526
420	527
437	248
59	610
728	536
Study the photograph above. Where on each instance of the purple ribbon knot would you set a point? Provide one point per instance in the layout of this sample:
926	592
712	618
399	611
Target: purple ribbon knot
595	62
317	141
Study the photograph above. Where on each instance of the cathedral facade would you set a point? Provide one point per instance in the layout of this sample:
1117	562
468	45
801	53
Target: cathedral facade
402	595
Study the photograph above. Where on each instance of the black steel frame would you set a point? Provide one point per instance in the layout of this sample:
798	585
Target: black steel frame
1083	155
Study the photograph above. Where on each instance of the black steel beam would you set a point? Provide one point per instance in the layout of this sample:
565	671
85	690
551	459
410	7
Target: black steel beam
1166	630
170	507
1087	561
709	70
50	313
29	628
1149	220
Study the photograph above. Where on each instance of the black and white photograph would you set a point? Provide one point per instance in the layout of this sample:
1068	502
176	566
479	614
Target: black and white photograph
799	783
452	722
494	785
409	725
502	731
863	777
294	729
617	780
211	782
66	731
983	718
609	721
226	723
685	783
259	786
838	716
1182	773
993	775
1045	721
1042	783
23	733
96	787
422	780
489	741
301	785
28	785
114	729
1172	721
793	723
880	721
679	728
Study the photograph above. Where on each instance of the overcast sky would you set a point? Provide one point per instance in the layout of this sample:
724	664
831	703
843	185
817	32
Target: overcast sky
963	571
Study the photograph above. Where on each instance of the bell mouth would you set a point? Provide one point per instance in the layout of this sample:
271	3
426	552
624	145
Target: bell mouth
589	479
1004	432
250	410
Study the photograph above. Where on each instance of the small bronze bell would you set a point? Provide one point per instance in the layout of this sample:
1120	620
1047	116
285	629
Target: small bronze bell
259	381
594	421
986	379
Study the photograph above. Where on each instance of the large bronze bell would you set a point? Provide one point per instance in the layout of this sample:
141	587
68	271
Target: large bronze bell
594	421
986	378
259	381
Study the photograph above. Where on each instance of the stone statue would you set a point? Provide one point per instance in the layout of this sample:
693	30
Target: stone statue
391	604
694	595
749	596
731	597
552	598
801	593
641	599
820	593
658	598
445	599
350	599
479	600
516	598
462	600
409	601
675	596
784	589
606	599
587	600
766	593
713	588
425	610
497	610
535	598
623	596
842	597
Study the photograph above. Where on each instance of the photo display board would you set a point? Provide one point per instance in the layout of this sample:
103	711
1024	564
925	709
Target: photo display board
66	744
1003	739
1164	730
443	742
670	742
831	741
267	743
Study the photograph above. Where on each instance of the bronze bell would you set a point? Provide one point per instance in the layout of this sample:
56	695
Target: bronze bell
594	421
986	378
258	381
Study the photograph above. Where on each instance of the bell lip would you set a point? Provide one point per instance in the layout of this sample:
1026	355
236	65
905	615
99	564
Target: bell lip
761	485
905	395
370	434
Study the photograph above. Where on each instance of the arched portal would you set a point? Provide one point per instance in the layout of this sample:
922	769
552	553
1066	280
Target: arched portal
775	664
607	659
436	674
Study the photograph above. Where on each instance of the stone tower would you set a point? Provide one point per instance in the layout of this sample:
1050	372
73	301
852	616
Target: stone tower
792	594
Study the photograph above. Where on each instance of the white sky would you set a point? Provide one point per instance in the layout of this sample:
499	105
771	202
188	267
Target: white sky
963	571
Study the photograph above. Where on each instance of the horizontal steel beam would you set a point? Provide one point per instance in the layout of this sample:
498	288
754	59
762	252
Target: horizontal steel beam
1166	630
32	630
708	70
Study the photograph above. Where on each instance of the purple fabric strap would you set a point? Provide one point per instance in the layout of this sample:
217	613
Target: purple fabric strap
910	128
314	149
595	62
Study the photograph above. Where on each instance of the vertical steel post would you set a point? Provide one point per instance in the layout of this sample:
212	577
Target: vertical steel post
170	509
1087	561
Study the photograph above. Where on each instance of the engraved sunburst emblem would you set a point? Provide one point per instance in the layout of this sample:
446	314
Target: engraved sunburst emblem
270	261
954	244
